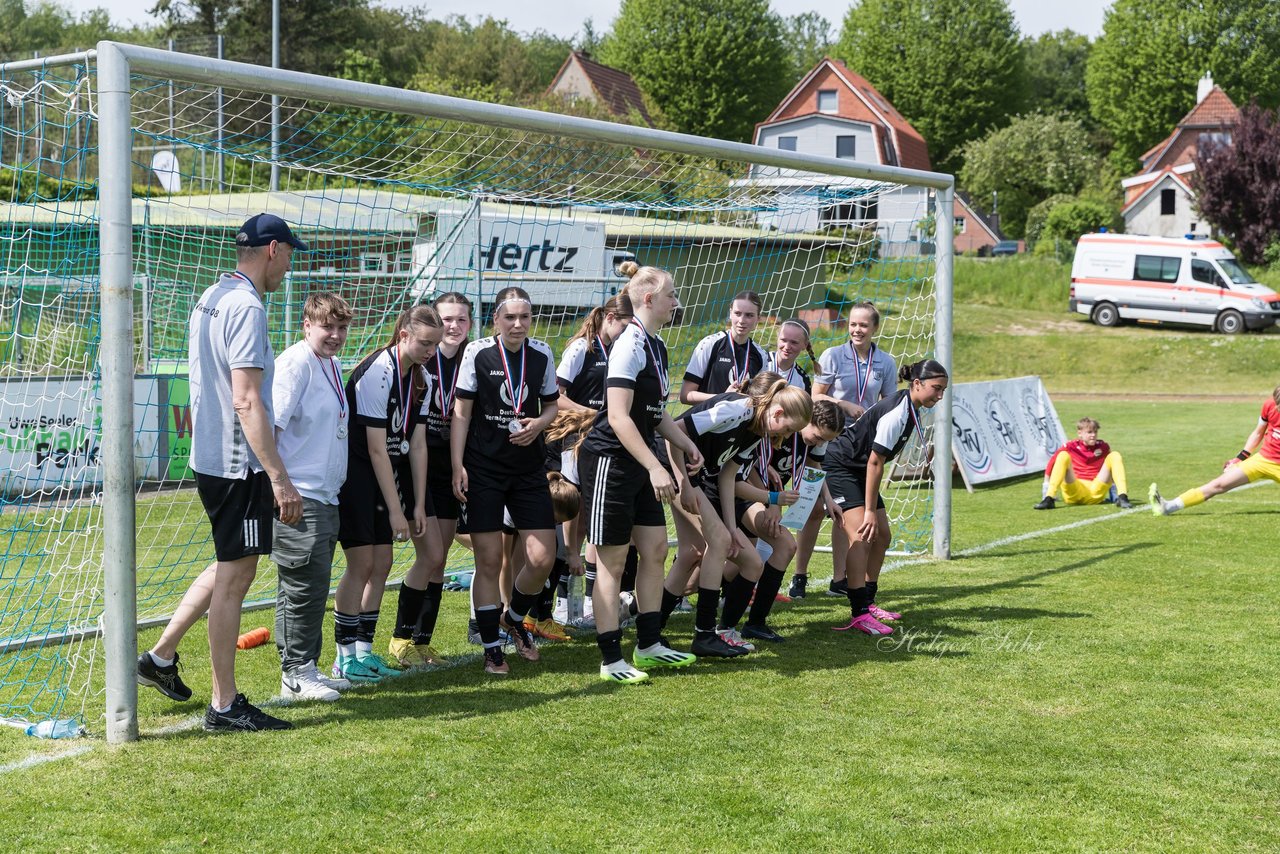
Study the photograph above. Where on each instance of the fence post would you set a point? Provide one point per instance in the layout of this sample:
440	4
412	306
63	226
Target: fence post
945	260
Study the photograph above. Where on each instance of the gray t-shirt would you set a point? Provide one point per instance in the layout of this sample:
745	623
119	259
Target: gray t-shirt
846	374
228	330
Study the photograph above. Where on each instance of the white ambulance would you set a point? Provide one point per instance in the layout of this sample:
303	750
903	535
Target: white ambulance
1117	277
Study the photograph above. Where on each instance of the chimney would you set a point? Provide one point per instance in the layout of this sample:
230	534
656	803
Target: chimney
1204	87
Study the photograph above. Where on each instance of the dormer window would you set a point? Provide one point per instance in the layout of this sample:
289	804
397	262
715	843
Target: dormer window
827	101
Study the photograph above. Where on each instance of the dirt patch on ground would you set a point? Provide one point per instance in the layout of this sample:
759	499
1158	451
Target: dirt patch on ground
1041	328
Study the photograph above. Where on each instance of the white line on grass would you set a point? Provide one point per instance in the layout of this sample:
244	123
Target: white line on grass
41	758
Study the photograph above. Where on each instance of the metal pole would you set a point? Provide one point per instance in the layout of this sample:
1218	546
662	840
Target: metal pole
222	175
116	352
275	99
477	250
944	257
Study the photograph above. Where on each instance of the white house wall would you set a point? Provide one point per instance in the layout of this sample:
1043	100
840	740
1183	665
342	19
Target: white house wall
1145	217
899	212
817	135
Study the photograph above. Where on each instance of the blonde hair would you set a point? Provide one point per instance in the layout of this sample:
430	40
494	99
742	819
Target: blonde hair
1087	423
571	422
327	307
420	314
618	305
566	500
642	280
768	390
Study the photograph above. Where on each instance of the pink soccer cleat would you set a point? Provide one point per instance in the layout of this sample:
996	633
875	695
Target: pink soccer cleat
882	615
866	624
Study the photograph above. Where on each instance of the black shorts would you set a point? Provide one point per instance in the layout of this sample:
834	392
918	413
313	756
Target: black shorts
525	496
848	488
440	483
363	515
617	496
711	488
241	513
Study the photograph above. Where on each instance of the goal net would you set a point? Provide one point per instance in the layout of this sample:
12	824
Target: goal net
398	206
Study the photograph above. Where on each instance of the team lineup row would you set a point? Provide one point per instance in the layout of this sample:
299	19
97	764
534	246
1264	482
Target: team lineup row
435	437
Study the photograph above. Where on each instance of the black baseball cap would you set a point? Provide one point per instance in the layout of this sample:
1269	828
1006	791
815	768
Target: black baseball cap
261	229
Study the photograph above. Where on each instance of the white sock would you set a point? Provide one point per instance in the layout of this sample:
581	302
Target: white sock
1044	488
363	648
346	651
1174	506
167	662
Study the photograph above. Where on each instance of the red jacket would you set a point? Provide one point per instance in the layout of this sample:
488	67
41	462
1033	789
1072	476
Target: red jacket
1086	462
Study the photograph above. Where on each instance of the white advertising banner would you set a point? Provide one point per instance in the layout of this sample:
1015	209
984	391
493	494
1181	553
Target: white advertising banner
1003	429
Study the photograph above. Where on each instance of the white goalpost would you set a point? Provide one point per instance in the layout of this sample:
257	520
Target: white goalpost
116	218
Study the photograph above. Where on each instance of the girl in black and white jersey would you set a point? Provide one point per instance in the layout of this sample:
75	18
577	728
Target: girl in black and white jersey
855	467
725	361
624	485
793	339
506	397
726	430
386	486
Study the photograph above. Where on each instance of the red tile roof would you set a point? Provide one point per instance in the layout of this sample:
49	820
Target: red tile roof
894	133
1216	111
614	89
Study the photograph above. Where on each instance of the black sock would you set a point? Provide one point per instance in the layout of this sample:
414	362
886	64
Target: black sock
629	570
610	644
562	588
588	579
766	591
368	626
426	625
487	623
872	587
708	604
547	598
859	601
669	603
345	628
521	604
407	611
648	629
735	603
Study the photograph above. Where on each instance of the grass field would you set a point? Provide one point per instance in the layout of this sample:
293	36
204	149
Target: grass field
1109	681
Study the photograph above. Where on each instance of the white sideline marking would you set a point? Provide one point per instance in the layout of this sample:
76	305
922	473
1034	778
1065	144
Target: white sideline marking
41	758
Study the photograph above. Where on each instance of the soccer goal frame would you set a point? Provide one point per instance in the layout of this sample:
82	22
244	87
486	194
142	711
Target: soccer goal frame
116	62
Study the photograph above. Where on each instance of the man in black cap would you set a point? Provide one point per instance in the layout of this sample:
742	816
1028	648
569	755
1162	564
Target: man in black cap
239	473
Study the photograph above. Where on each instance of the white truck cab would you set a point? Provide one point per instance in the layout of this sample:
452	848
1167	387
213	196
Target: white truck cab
1117	277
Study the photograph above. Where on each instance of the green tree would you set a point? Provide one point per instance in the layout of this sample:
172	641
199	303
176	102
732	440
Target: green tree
714	67
807	39
1238	185
1055	64
492	54
1033	158
1070	219
953	69
1142	71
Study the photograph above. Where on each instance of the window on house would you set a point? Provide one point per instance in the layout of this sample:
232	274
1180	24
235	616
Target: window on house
1155	268
846	147
849	213
373	262
827	100
786	143
959	225
1168	199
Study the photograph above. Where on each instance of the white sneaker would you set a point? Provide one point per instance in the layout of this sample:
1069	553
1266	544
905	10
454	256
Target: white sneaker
305	684
338	684
731	637
561	611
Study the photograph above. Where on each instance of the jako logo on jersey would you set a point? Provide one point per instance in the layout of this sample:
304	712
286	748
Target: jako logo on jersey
513	256
397	420
1005	430
969	438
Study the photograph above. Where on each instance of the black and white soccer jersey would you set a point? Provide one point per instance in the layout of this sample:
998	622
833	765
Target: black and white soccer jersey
885	428
717	362
795	375
444	376
791	457
721	430
488	375
375	391
637	361
582	370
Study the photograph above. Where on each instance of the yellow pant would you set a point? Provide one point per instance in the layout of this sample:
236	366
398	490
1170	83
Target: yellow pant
1087	491
1258	467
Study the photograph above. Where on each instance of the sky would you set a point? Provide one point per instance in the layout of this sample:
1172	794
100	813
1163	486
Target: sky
565	17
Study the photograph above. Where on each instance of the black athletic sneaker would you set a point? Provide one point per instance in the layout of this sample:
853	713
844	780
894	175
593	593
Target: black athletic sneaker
761	632
241	717
1123	502
1046	503
711	645
838	588
797	586
164	679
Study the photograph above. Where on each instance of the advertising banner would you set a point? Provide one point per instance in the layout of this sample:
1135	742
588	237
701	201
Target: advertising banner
1002	429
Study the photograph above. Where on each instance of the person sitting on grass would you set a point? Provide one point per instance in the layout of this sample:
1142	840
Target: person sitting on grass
1085	469
1260	458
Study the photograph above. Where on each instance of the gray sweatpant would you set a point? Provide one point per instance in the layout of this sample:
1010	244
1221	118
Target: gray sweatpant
303	554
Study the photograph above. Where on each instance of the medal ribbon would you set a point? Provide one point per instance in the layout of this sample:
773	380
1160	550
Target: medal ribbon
335	382
915	419
863	380
445	402
735	373
659	367
513	387
405	387
791	371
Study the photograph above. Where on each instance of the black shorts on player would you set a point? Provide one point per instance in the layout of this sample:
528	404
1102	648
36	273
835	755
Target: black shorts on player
364	519
711	488
240	513
440	484
848	488
525	496
617	496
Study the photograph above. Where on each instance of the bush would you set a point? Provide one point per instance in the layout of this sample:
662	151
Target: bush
1038	214
1068	220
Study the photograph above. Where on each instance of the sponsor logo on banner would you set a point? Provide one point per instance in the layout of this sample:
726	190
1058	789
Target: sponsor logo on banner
1005	429
1041	426
967	433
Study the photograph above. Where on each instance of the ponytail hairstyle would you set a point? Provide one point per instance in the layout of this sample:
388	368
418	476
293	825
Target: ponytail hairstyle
808	345
566	500
767	390
869	307
571	422
642	280
618	305
925	369
751	297
827	415
417	315
507	295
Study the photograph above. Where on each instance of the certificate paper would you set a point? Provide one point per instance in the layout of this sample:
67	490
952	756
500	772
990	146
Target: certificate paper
810	490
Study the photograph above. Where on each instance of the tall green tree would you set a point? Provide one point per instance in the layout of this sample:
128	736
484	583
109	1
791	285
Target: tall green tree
1055	64
714	67
953	69
1033	158
807	39
1142	71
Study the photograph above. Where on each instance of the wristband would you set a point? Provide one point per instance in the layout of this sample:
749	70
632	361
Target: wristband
773	498
1243	455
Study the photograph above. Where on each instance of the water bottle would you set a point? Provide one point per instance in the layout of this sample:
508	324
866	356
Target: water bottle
575	597
69	728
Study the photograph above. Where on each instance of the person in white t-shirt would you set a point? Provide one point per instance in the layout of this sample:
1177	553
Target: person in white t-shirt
312	423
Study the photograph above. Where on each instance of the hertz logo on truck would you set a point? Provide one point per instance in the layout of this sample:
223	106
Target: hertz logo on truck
512	257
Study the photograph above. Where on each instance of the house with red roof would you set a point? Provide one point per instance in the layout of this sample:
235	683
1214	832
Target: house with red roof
582	77
835	112
1159	200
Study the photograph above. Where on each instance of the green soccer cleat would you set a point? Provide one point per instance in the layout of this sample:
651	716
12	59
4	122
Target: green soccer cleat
379	665
660	655
622	672
1157	504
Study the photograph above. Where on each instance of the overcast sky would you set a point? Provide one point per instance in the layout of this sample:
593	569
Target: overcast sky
565	17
